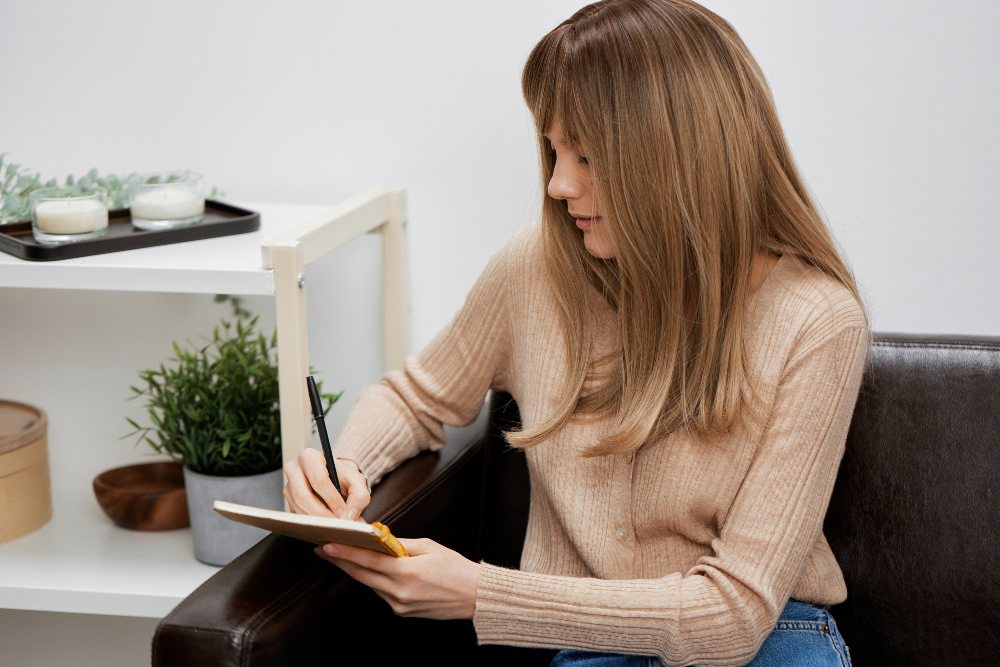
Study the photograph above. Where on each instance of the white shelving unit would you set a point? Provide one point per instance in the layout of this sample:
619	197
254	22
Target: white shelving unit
225	265
79	562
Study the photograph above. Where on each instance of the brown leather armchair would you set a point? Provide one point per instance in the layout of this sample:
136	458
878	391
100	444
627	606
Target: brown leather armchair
913	521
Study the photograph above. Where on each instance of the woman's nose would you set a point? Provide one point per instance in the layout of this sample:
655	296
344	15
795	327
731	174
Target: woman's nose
564	184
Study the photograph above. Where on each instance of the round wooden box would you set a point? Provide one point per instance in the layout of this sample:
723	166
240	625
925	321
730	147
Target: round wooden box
25	491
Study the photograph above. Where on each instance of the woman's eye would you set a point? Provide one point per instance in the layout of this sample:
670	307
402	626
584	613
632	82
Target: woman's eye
584	160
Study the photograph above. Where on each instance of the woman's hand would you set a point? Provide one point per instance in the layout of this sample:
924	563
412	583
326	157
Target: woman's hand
434	582
311	491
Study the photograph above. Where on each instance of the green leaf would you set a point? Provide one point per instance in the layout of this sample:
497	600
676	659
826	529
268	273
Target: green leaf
216	406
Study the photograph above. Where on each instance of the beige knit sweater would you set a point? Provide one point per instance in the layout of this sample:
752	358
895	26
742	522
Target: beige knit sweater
686	550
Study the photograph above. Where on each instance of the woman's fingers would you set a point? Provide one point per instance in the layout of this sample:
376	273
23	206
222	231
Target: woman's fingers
291	503
299	494
372	569
366	558
311	491
435	582
419	546
354	486
314	466
299	491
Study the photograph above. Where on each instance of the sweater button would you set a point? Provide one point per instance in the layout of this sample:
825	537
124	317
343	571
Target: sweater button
620	533
628	458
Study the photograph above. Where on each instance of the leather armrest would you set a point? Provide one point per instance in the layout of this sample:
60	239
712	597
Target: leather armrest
279	603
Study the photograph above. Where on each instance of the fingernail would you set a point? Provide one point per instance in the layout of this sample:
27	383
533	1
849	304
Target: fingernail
352	513
339	512
331	549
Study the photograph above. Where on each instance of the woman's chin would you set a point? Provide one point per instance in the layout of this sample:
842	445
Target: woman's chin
598	245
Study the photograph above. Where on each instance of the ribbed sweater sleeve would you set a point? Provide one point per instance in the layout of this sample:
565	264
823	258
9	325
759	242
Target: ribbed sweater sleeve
446	383
720	610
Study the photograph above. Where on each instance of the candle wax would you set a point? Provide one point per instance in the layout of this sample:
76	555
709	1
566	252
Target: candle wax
167	204
71	216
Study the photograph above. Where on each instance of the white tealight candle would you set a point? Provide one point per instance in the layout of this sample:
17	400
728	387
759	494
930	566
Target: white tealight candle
71	216
168	204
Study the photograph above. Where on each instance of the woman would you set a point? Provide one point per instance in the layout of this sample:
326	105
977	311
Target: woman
685	368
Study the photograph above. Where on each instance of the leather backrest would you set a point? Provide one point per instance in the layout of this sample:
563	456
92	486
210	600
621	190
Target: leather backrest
914	515
506	489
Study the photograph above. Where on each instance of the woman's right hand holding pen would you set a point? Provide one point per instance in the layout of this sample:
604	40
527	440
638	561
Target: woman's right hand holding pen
310	491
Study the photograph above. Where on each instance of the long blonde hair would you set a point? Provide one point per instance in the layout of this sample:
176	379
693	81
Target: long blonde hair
693	177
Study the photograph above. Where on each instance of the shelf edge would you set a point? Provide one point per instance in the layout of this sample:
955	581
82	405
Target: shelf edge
87	602
186	281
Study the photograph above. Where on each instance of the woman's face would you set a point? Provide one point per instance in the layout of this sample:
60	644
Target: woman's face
571	182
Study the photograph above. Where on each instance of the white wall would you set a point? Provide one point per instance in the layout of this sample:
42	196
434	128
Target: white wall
37	639
890	107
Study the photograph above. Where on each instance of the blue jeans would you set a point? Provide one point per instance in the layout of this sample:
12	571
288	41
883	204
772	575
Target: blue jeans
804	636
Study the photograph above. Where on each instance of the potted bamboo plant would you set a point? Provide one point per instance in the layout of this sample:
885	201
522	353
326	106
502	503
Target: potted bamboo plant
214	409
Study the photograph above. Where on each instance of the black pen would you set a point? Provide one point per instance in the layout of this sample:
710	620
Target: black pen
324	438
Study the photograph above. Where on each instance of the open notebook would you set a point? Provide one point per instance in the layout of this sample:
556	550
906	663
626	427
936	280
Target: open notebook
315	529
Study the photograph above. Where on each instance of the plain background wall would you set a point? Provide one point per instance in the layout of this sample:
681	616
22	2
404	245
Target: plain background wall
890	108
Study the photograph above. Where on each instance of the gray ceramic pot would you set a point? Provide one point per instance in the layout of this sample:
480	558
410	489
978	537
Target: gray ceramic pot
218	540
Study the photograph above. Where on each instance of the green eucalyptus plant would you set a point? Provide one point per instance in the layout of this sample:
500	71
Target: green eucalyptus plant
216	410
16	183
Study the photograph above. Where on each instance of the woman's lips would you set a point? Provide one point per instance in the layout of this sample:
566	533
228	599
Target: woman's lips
585	222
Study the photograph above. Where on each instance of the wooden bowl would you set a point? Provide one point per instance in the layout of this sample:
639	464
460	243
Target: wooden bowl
148	496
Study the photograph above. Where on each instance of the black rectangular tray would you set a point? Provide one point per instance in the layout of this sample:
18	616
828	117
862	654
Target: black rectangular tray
221	219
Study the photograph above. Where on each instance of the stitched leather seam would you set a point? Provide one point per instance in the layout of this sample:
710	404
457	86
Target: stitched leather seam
204	584
401	508
252	630
944	345
186	628
252	621
238	634
437	480
245	635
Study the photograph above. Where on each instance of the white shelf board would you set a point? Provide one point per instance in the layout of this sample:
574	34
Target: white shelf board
225	265
80	562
